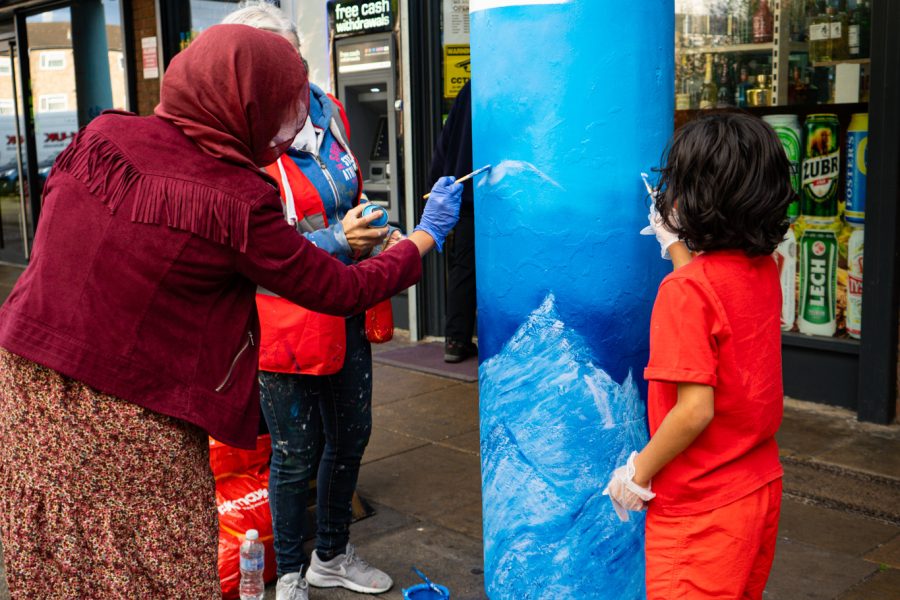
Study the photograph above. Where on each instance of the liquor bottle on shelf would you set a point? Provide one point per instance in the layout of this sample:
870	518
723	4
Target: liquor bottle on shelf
761	94
839	30
858	31
682	94
709	93
820	42
694	86
798	91
763	23
725	97
741	88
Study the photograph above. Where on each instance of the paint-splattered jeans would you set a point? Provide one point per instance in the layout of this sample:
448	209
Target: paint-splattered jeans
298	410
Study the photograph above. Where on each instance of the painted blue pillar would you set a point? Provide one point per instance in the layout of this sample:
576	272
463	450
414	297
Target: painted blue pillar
571	100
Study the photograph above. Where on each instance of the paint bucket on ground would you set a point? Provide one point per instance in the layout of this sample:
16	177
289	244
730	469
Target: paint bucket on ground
424	591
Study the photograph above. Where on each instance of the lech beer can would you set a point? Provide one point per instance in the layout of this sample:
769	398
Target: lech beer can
821	169
857	161
818	283
855	282
787	127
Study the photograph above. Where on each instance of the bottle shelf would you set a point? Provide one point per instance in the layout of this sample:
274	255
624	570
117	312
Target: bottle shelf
846	61
765	48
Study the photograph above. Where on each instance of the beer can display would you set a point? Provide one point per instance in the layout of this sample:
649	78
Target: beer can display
821	168
787	127
857	161
818	283
855	282
786	258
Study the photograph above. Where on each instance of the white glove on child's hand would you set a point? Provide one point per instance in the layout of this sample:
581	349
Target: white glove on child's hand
624	493
657	227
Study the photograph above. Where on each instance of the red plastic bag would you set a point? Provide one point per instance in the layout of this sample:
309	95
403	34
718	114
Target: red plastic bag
242	499
380	322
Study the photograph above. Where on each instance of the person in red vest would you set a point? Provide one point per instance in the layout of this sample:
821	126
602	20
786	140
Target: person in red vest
133	334
315	369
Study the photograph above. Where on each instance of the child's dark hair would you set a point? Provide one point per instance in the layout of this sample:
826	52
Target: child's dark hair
727	177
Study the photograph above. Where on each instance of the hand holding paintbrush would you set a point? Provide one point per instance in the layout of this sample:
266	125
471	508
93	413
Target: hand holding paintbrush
465	178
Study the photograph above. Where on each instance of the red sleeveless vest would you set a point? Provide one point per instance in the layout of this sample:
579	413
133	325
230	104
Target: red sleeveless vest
294	339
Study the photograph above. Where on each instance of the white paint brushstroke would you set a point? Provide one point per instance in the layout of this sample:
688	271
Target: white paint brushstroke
514	167
476	5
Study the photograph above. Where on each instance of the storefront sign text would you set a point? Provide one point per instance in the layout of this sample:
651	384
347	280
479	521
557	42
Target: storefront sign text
353	17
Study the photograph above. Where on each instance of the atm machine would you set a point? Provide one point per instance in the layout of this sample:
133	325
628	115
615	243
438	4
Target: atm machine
365	81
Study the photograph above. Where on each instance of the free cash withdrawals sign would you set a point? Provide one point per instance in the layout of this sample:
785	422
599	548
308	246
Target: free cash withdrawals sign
355	17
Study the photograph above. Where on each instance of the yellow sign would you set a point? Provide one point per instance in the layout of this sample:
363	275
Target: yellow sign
457	69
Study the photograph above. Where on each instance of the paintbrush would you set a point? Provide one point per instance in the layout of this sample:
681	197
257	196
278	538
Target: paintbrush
464	178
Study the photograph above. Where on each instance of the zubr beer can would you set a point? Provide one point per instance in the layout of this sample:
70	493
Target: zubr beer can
855	282
818	283
787	127
821	169
857	165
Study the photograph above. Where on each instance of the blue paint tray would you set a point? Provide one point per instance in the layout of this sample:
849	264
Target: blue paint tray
427	590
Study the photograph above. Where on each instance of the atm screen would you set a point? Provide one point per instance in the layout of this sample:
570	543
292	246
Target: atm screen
380	147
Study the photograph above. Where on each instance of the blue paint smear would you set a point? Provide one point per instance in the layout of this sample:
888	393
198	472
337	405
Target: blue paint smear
553	427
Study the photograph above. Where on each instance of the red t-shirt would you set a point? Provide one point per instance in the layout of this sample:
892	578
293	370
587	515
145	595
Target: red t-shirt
717	322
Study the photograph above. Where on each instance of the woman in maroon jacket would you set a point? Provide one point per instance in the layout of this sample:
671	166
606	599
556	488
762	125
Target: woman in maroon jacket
133	333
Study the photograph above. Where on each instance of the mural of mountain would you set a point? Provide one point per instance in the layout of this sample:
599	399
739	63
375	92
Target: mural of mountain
553	427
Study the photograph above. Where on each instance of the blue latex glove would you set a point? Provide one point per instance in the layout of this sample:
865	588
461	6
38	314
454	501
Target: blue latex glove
442	210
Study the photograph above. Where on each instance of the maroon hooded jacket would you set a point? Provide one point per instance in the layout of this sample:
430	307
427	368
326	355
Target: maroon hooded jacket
146	260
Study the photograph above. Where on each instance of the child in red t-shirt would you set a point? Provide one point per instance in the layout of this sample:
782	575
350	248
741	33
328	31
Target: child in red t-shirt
715	389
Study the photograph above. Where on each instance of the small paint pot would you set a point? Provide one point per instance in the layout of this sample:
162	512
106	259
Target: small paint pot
423	591
380	221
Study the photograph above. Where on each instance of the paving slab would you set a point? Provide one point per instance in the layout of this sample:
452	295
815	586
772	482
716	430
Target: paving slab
4	590
887	554
436	416
833	530
5	290
879	455
384	443
468	442
798	436
465	519
805	572
883	585
390	384
427	483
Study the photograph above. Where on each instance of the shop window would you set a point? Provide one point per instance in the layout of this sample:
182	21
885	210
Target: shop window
53	61
803	66
53	103
5	67
7	107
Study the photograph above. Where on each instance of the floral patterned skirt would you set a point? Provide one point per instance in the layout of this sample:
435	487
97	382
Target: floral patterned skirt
100	498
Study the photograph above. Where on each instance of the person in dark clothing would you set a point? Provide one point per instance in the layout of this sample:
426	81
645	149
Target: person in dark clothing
453	156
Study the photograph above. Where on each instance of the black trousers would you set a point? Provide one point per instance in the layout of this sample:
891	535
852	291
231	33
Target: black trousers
461	303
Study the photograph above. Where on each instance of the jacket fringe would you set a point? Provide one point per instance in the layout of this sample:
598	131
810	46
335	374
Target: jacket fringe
110	177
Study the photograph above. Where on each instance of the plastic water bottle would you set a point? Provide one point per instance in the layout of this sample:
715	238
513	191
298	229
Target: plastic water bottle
253	558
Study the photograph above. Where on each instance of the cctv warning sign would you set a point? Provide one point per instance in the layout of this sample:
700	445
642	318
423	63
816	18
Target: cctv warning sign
457	69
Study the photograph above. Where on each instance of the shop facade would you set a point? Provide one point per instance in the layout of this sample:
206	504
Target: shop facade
398	64
823	73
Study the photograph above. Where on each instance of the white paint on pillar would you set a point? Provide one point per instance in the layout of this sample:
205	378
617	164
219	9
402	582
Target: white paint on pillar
476	5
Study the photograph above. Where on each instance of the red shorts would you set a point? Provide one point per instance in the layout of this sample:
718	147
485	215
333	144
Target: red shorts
724	554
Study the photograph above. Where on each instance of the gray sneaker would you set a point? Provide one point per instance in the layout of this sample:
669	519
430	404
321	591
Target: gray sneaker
291	587
349	571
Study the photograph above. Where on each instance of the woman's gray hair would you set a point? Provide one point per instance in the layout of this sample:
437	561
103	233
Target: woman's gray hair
262	15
